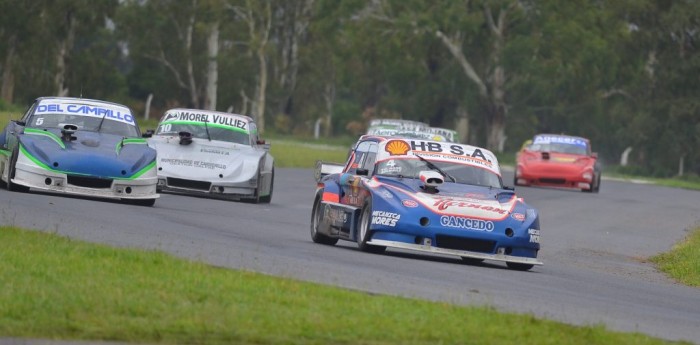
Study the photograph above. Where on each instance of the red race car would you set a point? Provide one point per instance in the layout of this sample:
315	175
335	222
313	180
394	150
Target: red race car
558	161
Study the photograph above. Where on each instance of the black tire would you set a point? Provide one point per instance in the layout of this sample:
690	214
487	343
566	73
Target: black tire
595	184
316	236
519	267
13	187
140	202
267	198
472	261
363	233
596	187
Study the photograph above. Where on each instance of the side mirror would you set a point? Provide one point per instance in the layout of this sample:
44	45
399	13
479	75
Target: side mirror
361	172
594	154
260	142
20	123
149	133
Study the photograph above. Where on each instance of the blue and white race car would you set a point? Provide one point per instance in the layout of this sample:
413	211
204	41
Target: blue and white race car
426	196
79	146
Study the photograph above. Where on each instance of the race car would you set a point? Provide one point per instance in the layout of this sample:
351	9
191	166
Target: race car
214	154
397	124
424	196
79	146
558	161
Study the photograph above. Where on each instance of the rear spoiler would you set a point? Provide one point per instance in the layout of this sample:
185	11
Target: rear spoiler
324	169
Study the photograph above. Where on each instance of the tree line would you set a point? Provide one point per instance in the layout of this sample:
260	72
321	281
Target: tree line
622	73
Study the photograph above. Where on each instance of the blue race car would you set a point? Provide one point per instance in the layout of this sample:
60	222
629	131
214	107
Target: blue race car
426	196
79	146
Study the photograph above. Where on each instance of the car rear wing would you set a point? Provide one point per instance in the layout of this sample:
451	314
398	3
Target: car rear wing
323	169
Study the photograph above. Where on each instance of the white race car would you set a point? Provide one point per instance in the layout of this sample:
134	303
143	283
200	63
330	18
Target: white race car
214	154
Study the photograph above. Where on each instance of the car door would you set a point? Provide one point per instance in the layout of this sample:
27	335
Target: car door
360	168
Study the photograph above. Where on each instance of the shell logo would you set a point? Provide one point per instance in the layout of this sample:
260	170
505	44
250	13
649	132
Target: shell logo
396	147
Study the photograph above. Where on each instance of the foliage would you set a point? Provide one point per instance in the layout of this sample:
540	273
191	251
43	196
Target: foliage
622	73
103	293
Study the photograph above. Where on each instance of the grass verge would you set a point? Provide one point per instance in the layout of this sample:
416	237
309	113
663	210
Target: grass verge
683	261
59	288
299	154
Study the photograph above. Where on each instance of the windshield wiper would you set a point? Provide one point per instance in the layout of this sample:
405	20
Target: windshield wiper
101	121
206	128
435	167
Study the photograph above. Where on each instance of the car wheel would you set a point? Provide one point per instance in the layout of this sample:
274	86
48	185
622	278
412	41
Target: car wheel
141	202
472	261
519	267
316	236
11	173
363	232
596	187
267	198
515	177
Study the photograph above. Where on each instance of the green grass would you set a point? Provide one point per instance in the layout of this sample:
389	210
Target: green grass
683	261
6	116
687	182
58	288
298	154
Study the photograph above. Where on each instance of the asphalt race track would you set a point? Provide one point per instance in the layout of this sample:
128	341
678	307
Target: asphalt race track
593	247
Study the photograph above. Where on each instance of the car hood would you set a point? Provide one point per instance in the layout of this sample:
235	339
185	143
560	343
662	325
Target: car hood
450	199
206	160
88	153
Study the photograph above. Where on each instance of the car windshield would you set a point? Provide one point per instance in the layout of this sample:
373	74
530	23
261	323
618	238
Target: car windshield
84	123
462	173
560	148
199	130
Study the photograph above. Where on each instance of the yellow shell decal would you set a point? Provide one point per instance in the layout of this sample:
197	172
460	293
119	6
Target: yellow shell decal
396	147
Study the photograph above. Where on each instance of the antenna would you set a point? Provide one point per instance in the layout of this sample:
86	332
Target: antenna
206	128
81	90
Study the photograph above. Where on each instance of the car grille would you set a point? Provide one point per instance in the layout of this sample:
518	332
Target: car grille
468	244
90	182
189	184
553	180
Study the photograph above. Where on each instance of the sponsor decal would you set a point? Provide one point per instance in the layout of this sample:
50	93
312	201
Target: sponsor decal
409	203
169	117
445	203
335	216
546	139
453	149
531	213
385	218
534	235
518	216
396	147
390	168
209	118
192	163
117	114
214	151
386	194
466	223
